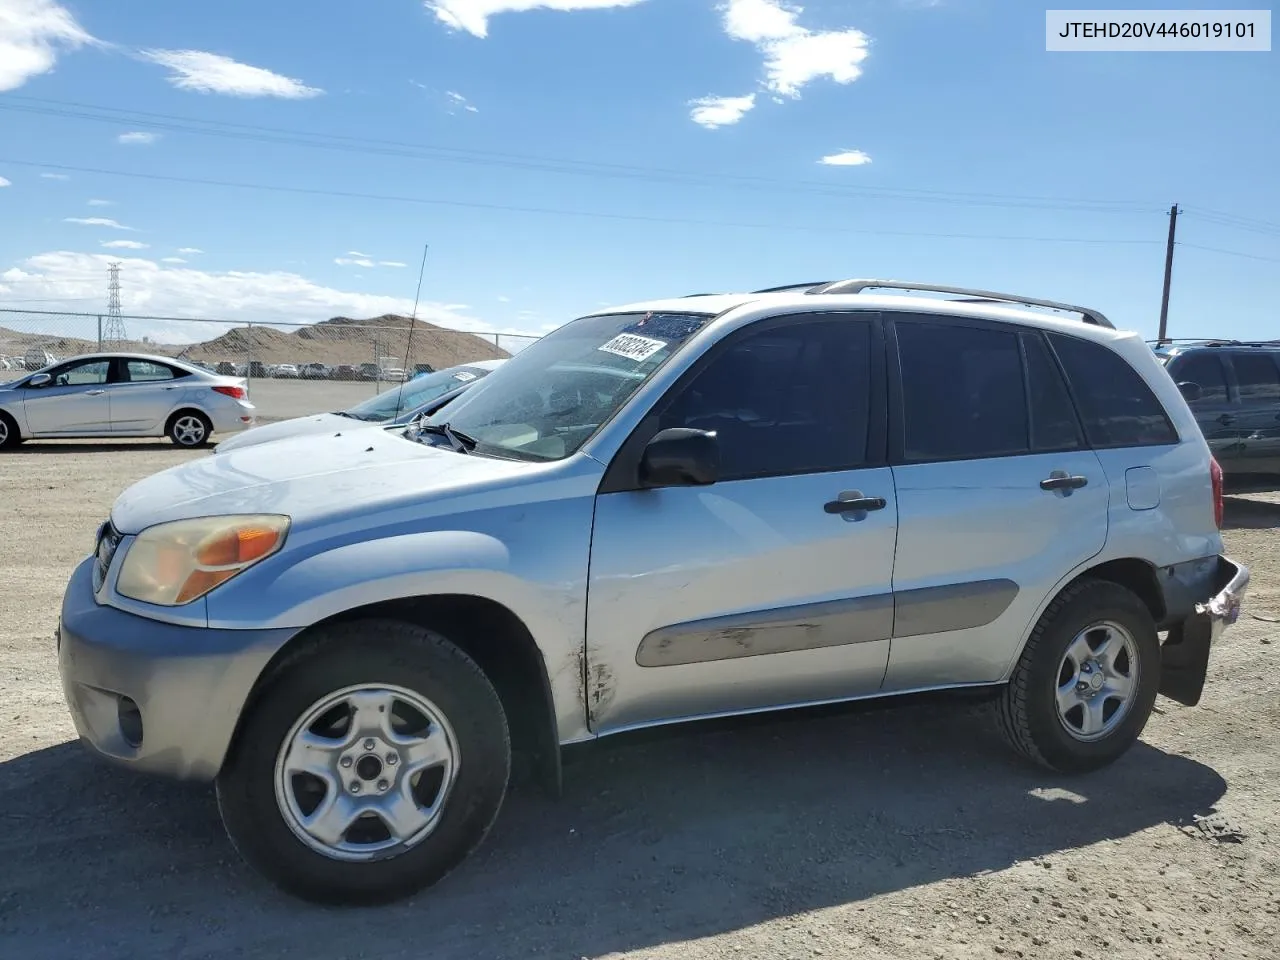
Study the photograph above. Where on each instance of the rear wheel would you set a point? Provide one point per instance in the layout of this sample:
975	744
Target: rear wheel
371	764
9	435
189	428
1087	679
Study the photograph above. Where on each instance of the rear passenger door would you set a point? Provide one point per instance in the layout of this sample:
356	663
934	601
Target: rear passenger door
143	394
1215	412
1257	377
998	494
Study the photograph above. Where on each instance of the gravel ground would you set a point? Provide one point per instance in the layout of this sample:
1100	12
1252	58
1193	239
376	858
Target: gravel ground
905	832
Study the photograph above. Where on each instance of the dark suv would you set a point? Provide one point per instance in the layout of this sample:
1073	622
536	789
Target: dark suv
1233	388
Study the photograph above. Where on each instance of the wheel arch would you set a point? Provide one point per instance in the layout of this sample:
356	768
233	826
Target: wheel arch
500	644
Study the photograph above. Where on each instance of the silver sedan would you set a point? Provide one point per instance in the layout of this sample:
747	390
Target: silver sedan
122	395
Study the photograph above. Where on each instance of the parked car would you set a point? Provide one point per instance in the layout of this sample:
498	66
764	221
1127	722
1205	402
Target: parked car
1233	388
393	407
345	371
315	371
122	395
371	371
285	371
394	375
682	508
225	368
422	369
37	359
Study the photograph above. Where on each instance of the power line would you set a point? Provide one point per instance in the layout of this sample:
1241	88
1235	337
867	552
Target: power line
562	165
1230	253
560	212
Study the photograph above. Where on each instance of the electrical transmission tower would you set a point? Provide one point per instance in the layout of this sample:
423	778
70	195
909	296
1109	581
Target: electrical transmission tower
113	331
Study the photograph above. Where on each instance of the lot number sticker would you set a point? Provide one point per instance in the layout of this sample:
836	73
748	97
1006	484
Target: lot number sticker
464	376
632	347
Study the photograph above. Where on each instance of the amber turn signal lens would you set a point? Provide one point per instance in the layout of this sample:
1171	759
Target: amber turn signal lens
243	545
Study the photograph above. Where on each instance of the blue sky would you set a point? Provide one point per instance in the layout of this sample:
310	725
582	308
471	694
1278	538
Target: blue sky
613	150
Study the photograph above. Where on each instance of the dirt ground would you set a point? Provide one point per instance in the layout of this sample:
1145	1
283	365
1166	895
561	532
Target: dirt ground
906	832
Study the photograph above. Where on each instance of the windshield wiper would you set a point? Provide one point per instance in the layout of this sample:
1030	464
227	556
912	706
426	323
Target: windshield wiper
461	442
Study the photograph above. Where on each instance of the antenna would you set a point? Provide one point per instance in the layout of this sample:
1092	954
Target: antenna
413	323
113	332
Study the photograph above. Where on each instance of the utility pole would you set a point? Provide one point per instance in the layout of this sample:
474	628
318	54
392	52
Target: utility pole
1168	275
114	332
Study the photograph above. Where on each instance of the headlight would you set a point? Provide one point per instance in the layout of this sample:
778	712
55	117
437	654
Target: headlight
175	563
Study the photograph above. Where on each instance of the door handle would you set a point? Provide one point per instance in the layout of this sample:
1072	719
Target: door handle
1226	419
854	502
94	393
1060	481
171	388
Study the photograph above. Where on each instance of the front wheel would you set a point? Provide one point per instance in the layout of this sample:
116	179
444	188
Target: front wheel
372	763
10	437
1087	679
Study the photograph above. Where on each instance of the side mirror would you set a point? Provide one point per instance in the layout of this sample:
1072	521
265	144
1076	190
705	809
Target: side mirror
39	380
679	457
1190	391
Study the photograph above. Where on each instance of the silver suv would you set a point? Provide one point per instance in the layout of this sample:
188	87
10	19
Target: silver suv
694	507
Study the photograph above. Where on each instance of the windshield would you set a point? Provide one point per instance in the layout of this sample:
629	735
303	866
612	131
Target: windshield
551	397
409	396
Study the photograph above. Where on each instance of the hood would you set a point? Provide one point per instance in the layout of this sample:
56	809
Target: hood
298	427
310	478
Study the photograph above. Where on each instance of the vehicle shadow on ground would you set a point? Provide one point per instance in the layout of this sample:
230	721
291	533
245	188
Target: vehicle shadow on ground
657	840
1244	513
96	446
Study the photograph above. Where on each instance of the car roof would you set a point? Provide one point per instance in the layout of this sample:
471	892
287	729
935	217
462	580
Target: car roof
152	357
485	364
722	305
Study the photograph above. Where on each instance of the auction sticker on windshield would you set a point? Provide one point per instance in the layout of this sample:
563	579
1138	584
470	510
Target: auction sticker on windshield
632	347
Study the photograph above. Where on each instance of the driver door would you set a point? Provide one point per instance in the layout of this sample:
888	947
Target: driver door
74	401
758	590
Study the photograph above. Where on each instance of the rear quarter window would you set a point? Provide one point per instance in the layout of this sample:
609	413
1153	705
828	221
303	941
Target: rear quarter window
1116	405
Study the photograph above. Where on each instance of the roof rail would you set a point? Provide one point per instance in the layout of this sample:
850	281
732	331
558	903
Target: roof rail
1214	342
792	286
985	296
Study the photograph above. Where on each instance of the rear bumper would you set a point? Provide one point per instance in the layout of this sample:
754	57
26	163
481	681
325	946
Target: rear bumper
1185	654
233	417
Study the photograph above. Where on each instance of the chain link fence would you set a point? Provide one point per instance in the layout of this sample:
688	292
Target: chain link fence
291	369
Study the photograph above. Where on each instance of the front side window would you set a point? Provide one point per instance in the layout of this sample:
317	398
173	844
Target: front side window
550	398
1205	370
962	392
1258	376
789	400
86	373
421	390
1116	405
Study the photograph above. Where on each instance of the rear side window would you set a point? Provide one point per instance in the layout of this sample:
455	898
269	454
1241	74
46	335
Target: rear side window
1053	419
1258	376
1116	405
962	392
1205	370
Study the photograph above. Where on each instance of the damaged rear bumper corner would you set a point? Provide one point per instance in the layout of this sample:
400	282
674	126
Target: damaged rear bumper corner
1184	657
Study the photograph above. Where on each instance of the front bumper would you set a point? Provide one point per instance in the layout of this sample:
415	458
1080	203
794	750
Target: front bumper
157	697
1184	657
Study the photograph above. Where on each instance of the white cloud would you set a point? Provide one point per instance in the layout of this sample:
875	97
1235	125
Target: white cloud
846	158
794	55
32	34
124	245
354	262
96	222
54	176
102	203
357	253
502	299
137	136
152	288
213	73
190	250
391	263
172	260
457	100
712	112
473	15
5	183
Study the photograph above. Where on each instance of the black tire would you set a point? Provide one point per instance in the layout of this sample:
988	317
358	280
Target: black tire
9	435
336	657
177	429
1027	709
